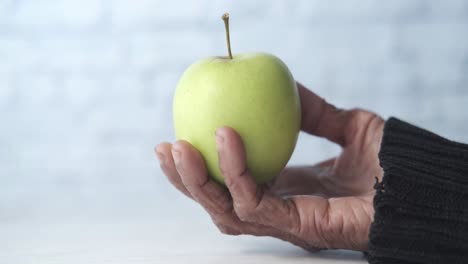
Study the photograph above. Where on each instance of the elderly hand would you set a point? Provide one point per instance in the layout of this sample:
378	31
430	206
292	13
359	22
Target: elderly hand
327	205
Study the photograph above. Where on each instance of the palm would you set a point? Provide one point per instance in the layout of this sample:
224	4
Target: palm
351	173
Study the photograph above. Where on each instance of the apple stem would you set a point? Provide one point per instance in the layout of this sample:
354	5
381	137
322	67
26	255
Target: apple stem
225	17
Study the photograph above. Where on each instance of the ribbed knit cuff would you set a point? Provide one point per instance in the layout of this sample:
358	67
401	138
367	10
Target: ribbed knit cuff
421	205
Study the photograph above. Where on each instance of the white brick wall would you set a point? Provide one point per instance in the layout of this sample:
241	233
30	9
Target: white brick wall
86	85
52	13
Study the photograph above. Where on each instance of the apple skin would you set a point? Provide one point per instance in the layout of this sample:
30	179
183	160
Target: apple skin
255	94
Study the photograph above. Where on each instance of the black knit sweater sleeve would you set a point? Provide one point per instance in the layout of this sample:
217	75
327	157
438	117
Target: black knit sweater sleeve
421	205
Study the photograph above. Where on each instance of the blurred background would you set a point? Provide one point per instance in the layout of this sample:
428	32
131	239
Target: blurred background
86	90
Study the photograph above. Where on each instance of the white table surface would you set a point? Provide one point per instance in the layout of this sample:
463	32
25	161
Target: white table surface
137	233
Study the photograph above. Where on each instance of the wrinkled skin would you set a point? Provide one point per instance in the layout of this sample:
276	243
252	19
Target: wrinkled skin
327	205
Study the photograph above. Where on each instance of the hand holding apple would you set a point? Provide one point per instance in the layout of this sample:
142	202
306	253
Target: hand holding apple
327	205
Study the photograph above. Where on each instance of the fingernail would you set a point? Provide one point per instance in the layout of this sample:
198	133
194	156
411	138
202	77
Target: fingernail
176	156
219	140
161	157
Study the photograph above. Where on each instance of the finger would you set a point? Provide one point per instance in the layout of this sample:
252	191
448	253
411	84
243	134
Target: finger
210	195
215	199
321	118
234	226
192	170
261	230
164	154
251	203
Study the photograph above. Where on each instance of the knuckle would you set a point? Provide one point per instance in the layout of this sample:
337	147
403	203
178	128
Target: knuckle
252	209
229	169
228	230
359	115
244	173
222	205
230	184
246	215
293	213
234	179
244	211
357	120
225	228
221	166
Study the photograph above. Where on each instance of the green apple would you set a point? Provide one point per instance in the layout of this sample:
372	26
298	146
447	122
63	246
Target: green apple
255	94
